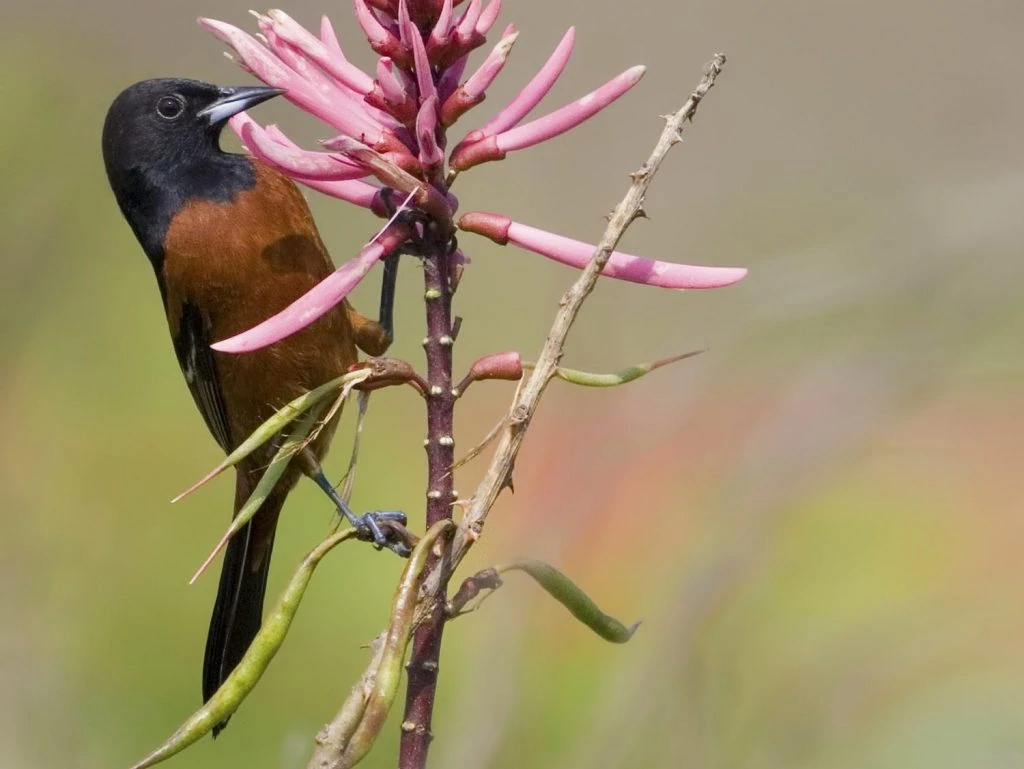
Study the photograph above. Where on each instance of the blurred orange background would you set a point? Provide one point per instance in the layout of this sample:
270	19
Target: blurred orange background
818	519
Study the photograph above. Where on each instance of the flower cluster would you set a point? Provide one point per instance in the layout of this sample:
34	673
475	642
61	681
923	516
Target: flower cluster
393	131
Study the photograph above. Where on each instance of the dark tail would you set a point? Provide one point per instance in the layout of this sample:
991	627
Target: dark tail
238	611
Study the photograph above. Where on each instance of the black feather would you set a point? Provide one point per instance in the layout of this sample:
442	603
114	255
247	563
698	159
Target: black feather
192	346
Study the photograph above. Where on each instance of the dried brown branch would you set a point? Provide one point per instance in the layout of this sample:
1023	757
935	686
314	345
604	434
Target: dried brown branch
528	397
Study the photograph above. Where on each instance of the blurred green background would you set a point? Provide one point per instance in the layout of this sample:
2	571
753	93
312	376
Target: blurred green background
818	519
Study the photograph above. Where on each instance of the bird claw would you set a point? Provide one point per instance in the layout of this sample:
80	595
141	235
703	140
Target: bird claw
368	525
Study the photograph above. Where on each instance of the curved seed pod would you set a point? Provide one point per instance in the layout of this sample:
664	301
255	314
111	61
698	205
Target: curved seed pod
579	604
349	737
332	739
244	677
588	379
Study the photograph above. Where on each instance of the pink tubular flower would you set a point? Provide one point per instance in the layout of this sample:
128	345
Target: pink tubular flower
315	303
291	159
391	134
575	253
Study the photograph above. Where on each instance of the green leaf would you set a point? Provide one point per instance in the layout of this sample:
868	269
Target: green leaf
281	419
579	604
268	480
589	379
245	676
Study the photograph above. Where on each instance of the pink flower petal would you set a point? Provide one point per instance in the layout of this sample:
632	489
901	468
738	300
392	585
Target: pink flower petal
442	30
329	90
431	155
381	39
488	17
535	90
269	68
351	191
354	191
472	92
451	76
622	266
480	81
424	75
296	162
571	115
404	22
254	56
316	302
395	86
465	27
326	53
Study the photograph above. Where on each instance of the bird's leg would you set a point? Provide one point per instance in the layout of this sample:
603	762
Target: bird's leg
367	524
415	246
386	318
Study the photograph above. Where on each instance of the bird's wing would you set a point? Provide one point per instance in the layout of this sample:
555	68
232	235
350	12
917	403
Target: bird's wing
192	345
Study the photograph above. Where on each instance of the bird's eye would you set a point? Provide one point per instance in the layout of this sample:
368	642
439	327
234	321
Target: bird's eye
169	107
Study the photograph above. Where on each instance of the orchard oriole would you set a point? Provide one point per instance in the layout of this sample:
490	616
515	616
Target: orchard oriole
232	242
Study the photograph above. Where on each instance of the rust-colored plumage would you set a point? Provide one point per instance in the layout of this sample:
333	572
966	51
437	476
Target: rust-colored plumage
231	242
239	276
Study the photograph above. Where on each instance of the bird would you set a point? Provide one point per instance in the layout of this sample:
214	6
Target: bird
232	241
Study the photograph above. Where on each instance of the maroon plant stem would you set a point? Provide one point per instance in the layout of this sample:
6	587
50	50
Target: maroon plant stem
426	645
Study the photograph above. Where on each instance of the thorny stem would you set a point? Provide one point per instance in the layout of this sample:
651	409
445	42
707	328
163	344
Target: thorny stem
440	446
528	396
424	659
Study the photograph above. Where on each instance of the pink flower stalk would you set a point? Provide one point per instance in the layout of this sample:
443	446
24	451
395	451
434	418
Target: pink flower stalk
393	127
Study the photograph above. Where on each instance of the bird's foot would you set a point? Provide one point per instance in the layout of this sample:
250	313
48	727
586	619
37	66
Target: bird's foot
387	536
391	535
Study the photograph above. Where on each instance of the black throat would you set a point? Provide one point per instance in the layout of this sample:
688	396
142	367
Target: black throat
150	197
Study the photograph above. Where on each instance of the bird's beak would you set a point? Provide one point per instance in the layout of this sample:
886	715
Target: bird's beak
234	100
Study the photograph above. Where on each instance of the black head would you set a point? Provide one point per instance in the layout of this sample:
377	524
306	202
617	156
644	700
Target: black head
161	147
